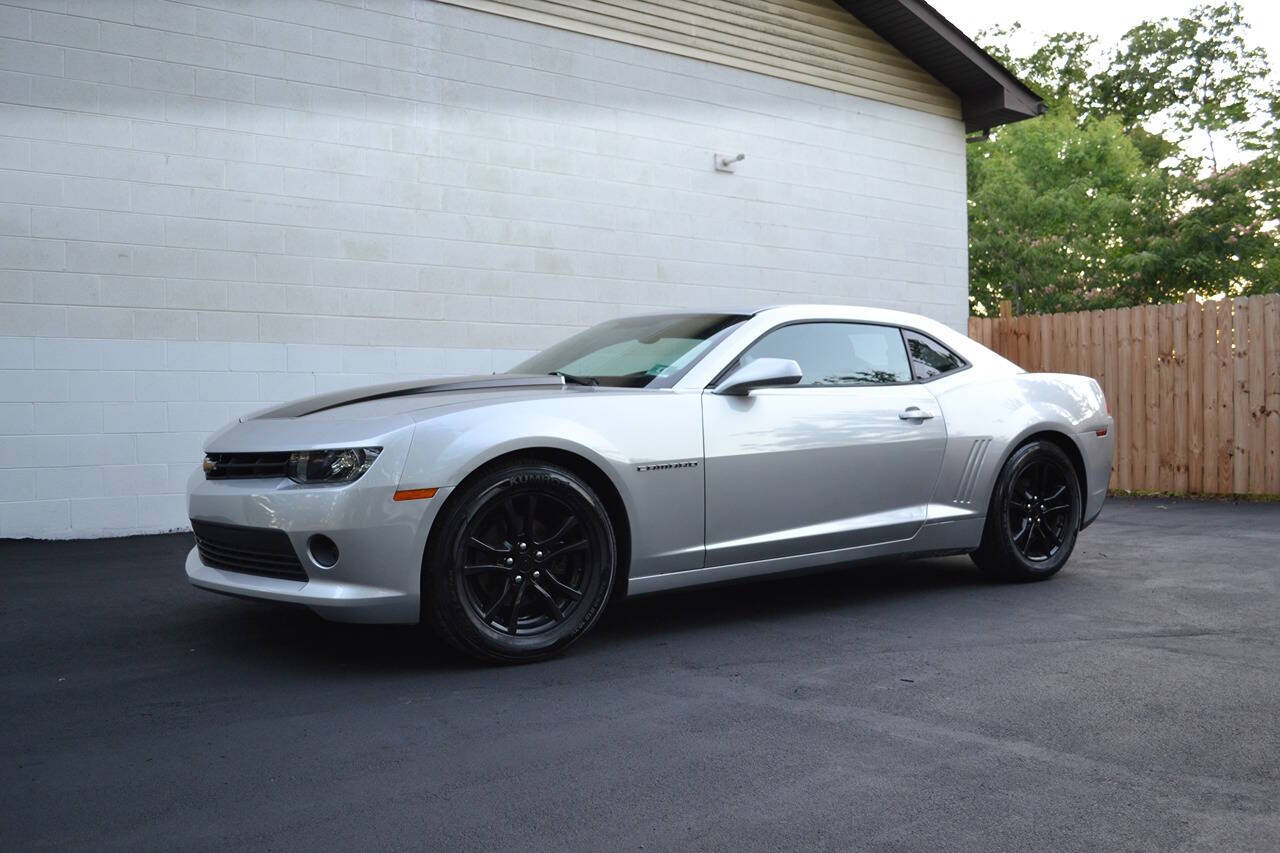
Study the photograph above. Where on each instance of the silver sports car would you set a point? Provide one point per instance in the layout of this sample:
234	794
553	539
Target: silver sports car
646	454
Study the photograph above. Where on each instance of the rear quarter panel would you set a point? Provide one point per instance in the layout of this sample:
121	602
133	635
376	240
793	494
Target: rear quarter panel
988	418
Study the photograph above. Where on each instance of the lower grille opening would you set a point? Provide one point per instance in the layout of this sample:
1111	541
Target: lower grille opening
249	550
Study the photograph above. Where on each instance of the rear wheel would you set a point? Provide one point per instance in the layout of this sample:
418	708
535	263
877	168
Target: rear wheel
1034	515
523	564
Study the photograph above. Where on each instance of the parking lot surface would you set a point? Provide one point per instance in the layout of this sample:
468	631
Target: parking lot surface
1133	702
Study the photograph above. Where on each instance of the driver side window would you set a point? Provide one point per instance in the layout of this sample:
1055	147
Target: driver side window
837	354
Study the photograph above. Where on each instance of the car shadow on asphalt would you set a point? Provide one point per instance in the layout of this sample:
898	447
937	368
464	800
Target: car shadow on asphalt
835	589
294	637
240	630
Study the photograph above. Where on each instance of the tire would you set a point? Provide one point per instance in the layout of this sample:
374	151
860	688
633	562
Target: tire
1034	516
523	564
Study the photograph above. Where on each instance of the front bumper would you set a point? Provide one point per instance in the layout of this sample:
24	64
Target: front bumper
1099	452
340	601
380	543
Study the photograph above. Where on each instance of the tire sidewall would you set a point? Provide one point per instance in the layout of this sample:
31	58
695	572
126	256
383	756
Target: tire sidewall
443	579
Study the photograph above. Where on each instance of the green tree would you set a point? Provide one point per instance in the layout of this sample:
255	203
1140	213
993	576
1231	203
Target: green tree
1061	215
1198	73
1223	236
1110	199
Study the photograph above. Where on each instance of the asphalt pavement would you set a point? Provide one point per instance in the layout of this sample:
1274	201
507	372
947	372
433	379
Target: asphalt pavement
1131	703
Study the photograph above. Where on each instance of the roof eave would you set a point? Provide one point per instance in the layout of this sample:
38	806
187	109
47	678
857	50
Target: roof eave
999	106
990	95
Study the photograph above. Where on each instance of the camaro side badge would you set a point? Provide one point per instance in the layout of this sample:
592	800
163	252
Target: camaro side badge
664	466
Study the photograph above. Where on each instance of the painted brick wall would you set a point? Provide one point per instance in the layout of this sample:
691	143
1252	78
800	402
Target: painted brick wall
208	206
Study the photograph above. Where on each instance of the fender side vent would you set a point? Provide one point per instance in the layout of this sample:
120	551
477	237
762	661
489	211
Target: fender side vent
972	465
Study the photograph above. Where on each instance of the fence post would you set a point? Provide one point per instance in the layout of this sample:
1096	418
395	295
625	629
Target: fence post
1122	402
1181	395
1257	382
1240	372
1271	393
1226	398
1194	372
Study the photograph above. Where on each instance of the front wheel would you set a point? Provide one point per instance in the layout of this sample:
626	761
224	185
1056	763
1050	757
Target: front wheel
1034	515
523	565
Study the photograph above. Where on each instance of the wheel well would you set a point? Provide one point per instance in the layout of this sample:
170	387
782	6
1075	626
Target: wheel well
594	477
1067	446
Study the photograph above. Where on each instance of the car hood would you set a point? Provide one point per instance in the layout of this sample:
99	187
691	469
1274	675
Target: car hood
373	401
371	414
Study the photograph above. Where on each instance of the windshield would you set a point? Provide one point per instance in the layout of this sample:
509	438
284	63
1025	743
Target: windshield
633	352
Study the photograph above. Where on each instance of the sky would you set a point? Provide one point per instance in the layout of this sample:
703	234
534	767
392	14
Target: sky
1108	19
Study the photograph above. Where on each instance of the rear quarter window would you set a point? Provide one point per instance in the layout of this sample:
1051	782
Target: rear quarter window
928	357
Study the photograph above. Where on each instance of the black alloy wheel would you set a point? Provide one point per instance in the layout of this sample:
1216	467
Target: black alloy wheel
1034	515
1038	510
523	565
527	557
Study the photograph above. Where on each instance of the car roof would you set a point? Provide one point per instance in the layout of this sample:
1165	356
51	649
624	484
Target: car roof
798	312
814	310
863	313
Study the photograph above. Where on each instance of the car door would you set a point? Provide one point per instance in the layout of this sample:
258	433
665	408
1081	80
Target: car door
848	457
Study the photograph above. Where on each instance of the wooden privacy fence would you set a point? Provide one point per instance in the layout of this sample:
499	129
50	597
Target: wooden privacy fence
1194	387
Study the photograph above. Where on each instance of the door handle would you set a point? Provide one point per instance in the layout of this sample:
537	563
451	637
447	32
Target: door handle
914	413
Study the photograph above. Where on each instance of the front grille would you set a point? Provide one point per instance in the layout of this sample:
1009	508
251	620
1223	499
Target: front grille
244	466
251	550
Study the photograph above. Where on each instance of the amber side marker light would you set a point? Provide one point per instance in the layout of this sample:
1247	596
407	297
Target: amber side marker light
414	494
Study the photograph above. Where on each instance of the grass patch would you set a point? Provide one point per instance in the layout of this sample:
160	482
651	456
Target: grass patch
1218	498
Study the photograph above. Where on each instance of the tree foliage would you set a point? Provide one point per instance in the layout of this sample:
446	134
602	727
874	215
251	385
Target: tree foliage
1121	194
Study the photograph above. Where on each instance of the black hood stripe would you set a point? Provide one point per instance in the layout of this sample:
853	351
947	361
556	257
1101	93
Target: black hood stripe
324	402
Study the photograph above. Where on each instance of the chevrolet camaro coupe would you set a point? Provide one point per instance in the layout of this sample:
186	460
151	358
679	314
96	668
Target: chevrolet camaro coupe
646	454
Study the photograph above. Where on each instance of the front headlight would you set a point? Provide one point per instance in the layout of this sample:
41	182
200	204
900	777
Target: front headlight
331	466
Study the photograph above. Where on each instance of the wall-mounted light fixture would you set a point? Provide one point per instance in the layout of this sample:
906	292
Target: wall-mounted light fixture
726	162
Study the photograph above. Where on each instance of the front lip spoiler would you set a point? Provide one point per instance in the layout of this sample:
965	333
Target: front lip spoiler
324	402
314	592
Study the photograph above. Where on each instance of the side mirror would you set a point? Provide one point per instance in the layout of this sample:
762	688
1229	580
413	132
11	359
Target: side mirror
761	373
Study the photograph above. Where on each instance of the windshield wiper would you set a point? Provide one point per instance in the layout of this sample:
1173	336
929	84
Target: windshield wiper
575	380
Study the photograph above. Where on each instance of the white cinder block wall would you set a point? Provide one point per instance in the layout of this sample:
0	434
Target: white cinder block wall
211	205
